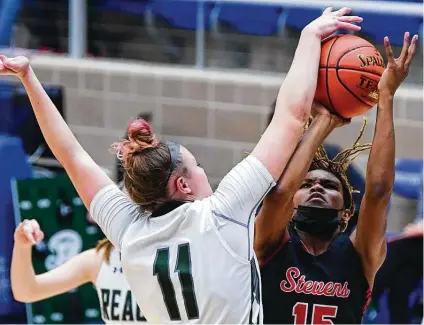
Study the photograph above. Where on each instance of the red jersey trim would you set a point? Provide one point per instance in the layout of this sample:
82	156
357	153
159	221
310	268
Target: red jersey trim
270	257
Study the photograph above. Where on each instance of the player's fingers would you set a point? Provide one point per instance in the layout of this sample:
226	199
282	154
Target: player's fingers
39	236
343	11
348	26
411	51
327	10
11	64
404	53
34	224
388	48
36	231
31	225
3	69
25	222
350	19
28	232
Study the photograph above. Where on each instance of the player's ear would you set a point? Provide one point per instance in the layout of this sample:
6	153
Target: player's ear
345	220
182	185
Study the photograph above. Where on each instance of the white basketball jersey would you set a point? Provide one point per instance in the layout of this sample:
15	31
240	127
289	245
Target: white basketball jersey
117	304
192	262
190	272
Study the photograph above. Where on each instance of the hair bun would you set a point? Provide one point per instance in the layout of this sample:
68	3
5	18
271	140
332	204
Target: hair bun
140	134
140	137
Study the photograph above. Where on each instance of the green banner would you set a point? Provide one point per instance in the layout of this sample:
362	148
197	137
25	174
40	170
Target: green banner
55	204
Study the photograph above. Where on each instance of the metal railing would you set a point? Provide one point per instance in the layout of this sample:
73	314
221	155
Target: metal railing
78	17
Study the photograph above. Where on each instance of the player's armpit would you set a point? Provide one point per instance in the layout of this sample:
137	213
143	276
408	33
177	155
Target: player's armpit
271	226
236	201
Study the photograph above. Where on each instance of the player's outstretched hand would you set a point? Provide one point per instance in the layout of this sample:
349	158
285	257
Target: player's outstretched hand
28	233
397	69
331	21
336	121
17	66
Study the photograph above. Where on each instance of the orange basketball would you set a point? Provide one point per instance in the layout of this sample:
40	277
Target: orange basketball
349	71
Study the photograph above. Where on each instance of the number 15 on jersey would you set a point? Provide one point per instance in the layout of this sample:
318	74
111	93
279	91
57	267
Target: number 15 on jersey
321	314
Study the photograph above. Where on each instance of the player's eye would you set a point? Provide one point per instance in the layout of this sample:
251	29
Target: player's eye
305	185
331	186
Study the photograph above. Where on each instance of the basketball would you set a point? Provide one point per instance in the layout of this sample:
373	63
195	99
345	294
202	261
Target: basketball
349	71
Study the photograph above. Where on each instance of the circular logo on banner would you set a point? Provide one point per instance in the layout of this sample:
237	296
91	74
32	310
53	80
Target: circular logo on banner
63	245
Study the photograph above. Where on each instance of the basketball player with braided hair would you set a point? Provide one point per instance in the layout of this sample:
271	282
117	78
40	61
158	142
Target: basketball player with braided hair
191	260
100	266
311	271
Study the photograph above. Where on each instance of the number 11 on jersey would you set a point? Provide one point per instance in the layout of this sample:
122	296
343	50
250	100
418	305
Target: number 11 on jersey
161	269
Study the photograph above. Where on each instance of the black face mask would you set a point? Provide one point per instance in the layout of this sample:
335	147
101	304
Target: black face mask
318	222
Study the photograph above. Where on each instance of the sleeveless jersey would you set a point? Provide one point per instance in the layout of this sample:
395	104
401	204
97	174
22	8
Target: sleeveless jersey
300	288
117	303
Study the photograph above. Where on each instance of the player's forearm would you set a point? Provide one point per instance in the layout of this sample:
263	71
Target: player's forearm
381	163
87	177
298	89
56	132
300	162
369	238
22	274
292	108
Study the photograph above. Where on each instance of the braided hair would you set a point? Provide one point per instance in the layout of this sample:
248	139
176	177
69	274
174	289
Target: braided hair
340	163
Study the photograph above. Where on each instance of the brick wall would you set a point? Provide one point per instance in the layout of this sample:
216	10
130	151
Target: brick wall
218	115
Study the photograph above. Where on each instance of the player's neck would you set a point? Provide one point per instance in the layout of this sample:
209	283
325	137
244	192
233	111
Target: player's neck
315	245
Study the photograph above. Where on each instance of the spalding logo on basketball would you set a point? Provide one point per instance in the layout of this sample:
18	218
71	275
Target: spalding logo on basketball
349	71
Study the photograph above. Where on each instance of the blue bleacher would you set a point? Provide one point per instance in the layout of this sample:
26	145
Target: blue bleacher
253	19
257	19
298	18
377	26
9	10
180	14
408	178
14	166
6	122
135	7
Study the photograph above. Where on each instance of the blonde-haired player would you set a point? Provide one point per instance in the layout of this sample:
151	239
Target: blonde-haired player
100	266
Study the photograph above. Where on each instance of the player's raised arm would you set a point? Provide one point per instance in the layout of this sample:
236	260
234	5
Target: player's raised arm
294	100
29	287
87	177
277	210
369	238
242	190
